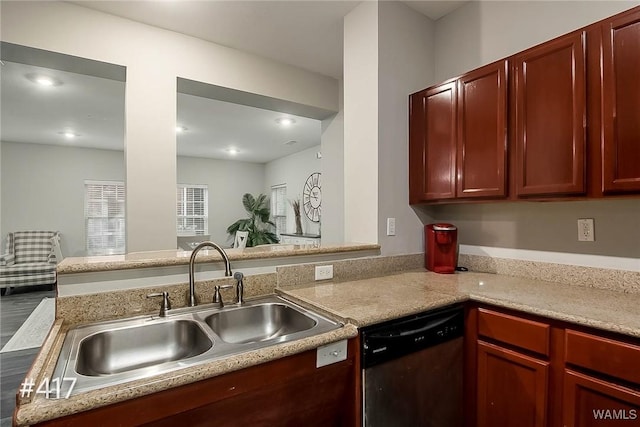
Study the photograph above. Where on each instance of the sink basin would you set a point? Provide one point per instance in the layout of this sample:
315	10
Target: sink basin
118	351
122	350
258	323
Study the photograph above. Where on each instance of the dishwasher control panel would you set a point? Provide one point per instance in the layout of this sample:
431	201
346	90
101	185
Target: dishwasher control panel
406	335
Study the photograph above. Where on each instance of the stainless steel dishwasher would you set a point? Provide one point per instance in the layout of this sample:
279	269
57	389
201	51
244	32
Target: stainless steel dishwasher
412	370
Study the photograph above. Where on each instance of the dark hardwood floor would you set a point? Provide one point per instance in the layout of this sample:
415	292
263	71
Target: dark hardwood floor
14	310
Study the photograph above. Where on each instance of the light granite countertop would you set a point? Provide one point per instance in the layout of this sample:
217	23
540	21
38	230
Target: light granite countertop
168	258
37	408
361	303
370	301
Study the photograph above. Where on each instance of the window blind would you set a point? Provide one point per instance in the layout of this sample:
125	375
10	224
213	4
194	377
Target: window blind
104	213
279	207
192	210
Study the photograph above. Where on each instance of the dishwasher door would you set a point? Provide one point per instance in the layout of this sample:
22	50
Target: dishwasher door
420	389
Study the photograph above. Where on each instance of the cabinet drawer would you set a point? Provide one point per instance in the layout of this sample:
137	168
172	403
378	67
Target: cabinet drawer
516	331
610	357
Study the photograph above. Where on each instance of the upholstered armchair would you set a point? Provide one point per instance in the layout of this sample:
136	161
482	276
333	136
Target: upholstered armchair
29	259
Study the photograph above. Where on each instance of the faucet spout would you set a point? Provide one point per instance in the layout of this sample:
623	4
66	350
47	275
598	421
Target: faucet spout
192	262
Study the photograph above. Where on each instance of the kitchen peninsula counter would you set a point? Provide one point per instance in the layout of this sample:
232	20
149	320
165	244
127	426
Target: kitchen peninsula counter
370	301
168	258
359	303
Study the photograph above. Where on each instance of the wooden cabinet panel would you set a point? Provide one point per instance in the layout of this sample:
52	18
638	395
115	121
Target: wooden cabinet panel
583	372
482	132
516	331
621	103
512	388
432	144
550	118
416	147
610	357
289	391
590	402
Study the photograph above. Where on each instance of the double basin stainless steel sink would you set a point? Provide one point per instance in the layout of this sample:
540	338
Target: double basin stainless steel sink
109	353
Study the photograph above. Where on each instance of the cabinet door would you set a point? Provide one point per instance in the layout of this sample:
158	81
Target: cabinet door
550	118
592	402
432	144
621	104
512	388
482	132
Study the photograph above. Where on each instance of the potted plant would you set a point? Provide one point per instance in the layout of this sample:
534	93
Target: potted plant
257	224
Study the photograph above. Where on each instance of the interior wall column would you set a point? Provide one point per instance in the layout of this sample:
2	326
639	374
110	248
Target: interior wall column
361	123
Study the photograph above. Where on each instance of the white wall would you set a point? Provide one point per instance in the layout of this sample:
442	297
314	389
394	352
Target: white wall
293	171
332	166
361	123
154	58
227	182
43	188
405	55
482	32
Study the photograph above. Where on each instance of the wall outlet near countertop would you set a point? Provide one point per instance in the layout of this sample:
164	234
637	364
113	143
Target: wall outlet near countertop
586	230
324	272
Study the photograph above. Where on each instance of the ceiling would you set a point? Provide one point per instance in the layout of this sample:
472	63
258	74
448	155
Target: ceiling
306	33
213	127
93	109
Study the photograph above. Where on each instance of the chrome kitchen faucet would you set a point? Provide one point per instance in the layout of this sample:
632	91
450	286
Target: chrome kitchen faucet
192	262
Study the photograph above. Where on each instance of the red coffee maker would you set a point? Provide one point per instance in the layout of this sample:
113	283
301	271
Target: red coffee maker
441	243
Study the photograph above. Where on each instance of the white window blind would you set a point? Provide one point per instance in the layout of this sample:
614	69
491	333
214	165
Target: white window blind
104	217
279	207
192	210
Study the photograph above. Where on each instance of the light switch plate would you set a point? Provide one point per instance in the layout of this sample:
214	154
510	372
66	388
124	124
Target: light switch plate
331	353
391	226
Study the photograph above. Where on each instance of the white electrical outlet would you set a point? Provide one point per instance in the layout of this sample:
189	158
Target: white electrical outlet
585	230
324	272
391	226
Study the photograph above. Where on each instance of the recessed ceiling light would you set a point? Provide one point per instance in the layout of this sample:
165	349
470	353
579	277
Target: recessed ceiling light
292	142
43	80
285	121
180	129
69	134
232	151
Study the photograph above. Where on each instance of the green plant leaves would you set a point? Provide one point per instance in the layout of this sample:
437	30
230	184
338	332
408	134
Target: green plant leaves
258	222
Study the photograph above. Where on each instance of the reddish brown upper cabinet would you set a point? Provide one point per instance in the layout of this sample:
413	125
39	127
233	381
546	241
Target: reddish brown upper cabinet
550	118
621	103
559	120
458	137
482	132
432	144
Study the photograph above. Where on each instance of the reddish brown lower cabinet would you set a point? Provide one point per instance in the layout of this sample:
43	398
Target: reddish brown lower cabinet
285	392
512	388
533	371
593	402
621	103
